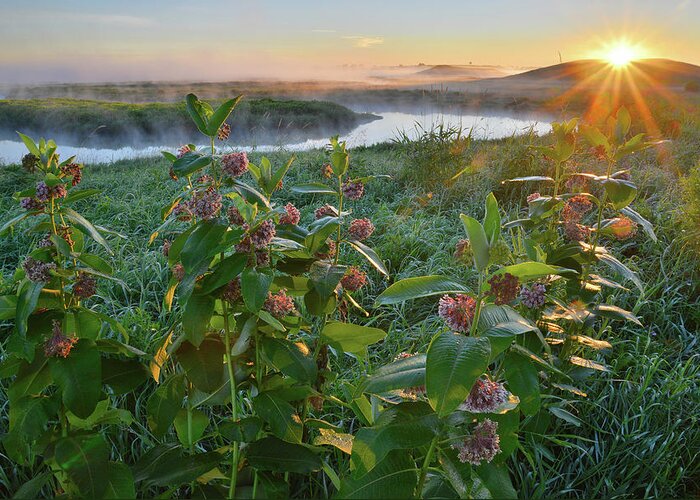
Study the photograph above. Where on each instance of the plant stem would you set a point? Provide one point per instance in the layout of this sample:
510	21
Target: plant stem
424	467
477	310
190	441
340	211
234	403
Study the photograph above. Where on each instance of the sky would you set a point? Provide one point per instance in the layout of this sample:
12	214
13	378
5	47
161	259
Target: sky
212	40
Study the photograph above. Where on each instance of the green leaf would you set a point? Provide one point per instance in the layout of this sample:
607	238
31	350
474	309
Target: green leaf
164	465
325	277
478	241
195	321
453	364
620	268
85	459
164	404
10	223
620	192
565	415
527	271
120	481
200	421
421	286
402	427
371	256
290	358
280	416
103	415
496	480
457	473
530	178
33	487
220	116
401	374
189	163
86	227
81	195
272	454
313	188
646	225
614	312
523	381
255	286
196	112
123	375
79	376
202	244
30	144
350	338
501	324
203	364
223	272
492	220
26	303
395	476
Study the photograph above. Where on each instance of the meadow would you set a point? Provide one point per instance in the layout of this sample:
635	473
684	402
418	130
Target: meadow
634	434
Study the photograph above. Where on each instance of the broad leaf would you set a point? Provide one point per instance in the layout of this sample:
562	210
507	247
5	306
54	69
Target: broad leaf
478	241
351	338
203	364
395	476
421	286
85	460
272	454
290	358
280	416
164	404
79	376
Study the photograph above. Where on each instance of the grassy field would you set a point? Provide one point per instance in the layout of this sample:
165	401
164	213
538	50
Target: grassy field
76	122
640	431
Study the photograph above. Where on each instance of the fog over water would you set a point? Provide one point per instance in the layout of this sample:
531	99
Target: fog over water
494	125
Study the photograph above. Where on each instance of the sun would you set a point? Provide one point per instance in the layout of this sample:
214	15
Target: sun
621	55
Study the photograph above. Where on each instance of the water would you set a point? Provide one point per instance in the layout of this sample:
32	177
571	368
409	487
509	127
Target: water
484	126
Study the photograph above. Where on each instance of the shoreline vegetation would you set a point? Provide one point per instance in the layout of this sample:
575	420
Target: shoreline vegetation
102	124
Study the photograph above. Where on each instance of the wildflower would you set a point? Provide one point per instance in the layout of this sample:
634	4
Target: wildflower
504	288
234	164
43	192
482	445
485	397
533	196
38	271
458	312
325	211
234	217
415	391
205	204
59	191
75	171
330	244
361	229
58	345
291	215
183	150
166	247
178	271
30	162
499	253
263	235
31	204
623	228
224	132
45	242
463	251
183	211
245	245
85	286
232	291
353	190
262	258
533	297
327	171
354	279
575	208
279	304
65	232
205	179
576	232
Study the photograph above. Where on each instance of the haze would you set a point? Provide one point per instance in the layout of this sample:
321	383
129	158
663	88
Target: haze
87	41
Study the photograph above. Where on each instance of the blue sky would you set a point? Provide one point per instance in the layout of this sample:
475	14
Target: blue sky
79	40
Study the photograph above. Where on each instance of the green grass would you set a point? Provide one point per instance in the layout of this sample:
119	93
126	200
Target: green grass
640	434
100	123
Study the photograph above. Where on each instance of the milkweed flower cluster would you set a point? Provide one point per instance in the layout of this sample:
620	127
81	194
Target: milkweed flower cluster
234	164
232	291
58	345
353	190
327	171
205	204
279	304
330	253
576	232
85	286
234	217
499	252
354	279
31	204
325	211
533	297
263	235
486	396
533	196
504	288
575	208
577	183
75	171
361	229
291	215
183	150
178	271
166	247
44	193
463	251
480	446
224	132
38	271
457	312
30	162
623	228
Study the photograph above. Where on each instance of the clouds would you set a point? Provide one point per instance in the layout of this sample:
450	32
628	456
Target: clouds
365	42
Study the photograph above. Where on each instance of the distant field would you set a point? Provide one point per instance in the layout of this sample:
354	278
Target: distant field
100	123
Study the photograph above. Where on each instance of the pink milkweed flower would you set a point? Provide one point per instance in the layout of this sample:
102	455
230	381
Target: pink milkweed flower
361	229
457	312
279	304
486	396
480	446
291	215
234	164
